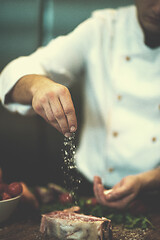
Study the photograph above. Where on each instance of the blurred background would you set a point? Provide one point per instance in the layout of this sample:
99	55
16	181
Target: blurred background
30	149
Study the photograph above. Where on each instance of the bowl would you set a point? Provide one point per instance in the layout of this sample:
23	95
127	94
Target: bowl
7	207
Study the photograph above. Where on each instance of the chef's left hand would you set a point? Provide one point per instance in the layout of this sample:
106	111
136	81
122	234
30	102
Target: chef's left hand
121	195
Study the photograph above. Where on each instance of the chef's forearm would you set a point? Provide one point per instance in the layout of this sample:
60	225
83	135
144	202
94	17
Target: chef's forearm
24	89
150	180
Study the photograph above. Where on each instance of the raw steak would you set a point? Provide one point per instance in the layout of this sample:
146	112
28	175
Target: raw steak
67	224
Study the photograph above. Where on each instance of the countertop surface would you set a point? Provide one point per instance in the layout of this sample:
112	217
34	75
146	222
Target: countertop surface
24	224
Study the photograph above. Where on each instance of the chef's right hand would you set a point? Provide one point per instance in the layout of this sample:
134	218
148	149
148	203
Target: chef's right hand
53	102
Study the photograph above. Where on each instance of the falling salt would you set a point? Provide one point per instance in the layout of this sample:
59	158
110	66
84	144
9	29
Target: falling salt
71	178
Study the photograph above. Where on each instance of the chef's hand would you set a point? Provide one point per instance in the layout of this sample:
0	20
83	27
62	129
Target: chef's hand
53	102
121	195
50	100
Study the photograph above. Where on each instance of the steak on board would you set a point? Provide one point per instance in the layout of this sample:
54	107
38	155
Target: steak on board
69	225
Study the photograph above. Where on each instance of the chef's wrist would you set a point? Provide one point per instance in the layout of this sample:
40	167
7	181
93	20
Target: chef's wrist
36	82
22	92
150	180
142	178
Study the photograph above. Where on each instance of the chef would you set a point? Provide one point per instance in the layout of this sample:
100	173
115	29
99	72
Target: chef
118	52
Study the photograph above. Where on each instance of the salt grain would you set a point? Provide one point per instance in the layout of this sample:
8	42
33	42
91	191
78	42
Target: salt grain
71	179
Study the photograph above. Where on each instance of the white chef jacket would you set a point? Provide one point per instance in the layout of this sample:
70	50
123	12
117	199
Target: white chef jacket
121	132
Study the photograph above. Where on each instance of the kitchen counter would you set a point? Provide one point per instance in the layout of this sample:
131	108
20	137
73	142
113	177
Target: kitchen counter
25	222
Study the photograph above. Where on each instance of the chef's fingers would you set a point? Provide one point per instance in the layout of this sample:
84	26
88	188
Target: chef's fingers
45	112
50	116
58	108
118	193
58	114
120	204
101	195
99	190
95	183
49	107
69	110
101	198
97	180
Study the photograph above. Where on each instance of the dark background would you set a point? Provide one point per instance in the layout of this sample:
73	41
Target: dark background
30	149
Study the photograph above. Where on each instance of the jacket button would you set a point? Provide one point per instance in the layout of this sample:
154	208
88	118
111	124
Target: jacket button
110	170
119	97
115	134
154	139
128	58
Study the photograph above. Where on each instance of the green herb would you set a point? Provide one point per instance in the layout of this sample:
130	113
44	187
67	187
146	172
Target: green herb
117	218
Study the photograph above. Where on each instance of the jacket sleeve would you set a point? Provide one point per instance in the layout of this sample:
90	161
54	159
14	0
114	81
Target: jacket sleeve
63	56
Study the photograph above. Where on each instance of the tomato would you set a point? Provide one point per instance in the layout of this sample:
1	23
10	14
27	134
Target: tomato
65	198
15	189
